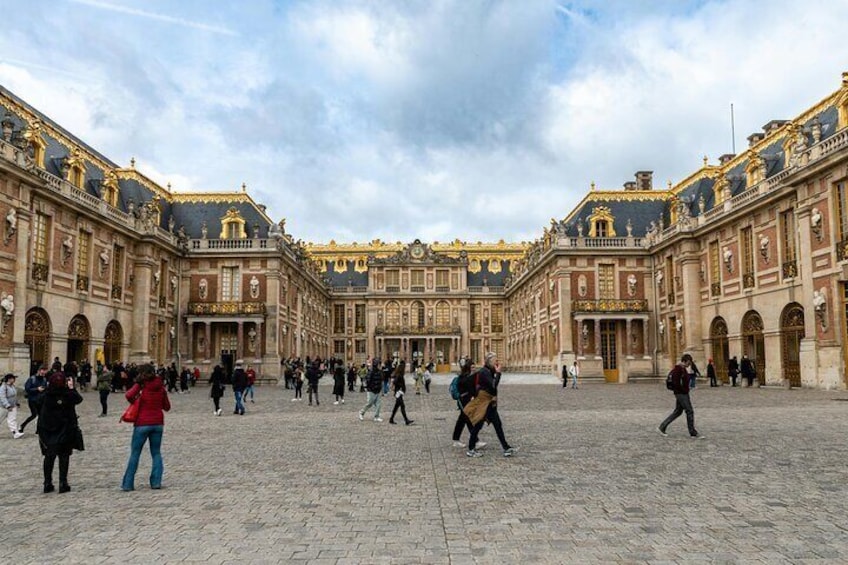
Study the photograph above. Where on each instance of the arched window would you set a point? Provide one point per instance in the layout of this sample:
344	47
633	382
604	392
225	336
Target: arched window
442	314
112	342
418	314
37	335
393	315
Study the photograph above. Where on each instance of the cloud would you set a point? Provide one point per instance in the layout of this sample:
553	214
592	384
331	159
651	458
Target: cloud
154	16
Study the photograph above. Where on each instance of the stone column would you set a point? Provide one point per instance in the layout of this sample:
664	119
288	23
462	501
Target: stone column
628	324
690	262
565	325
258	353
240	341
804	263
19	352
142	293
580	323
190	352
597	323
208	348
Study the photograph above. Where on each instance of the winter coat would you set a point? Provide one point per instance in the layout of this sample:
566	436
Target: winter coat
154	399
217	380
339	380
57	428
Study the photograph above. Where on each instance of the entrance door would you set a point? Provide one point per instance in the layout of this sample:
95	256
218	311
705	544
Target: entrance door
754	344
721	349
415	347
443	355
79	332
791	334
608	351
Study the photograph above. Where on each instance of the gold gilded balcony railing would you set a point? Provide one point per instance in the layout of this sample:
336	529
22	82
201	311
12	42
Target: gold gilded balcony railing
426	330
226	308
609	305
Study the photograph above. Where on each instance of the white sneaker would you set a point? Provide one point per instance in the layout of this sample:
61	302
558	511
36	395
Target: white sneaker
219	412
378	419
294	399
18	435
458	444
361	416
336	403
342	400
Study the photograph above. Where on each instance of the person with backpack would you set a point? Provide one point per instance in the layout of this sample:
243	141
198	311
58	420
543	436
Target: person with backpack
375	387
484	406
34	388
399	388
462	391
678	382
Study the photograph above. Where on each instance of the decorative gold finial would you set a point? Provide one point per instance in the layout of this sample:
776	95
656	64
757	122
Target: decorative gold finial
706	160
593	185
244	187
132	162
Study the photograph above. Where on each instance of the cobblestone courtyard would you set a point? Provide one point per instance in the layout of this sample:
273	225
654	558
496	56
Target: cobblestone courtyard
593	482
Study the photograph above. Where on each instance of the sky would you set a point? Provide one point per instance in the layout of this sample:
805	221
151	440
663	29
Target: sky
432	119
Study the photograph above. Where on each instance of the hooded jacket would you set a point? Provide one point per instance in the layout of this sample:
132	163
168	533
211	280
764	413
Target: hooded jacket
154	400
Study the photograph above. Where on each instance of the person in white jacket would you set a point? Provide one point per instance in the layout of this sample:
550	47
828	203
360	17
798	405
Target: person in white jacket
574	371
9	404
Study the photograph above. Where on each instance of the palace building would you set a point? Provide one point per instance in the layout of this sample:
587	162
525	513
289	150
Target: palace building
745	256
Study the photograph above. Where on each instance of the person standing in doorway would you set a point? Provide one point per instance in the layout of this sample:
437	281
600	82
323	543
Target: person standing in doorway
711	373
733	370
399	388
574	372
680	386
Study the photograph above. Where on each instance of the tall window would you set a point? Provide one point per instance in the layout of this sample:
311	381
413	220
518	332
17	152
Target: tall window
40	233
715	269
747	237
338	318
418	314
442	282
497	318
359	318
117	272
601	228
230	289
606	280
338	348
443	314
392	280
842	210
83	250
417	280
476	317
393	315
498	349
787	229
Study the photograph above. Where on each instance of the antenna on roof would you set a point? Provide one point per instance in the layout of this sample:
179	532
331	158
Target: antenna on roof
732	130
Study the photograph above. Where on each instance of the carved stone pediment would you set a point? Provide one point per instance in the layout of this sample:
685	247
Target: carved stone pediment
421	254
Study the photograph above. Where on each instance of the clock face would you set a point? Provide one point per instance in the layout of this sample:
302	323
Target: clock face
417	251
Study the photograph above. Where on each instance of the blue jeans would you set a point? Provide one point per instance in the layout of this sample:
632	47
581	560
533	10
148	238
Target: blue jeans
239	403
140	435
249	389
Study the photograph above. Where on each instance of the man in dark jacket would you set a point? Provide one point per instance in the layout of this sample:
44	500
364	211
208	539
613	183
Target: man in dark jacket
486	380
239	384
680	386
35	387
374	384
733	370
313	375
748	370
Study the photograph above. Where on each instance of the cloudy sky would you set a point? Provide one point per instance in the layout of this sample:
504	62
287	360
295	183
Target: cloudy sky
436	119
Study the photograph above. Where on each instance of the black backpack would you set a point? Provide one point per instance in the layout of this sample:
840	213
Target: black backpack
669	383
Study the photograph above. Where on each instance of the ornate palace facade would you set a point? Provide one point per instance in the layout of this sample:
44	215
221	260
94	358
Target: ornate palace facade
745	256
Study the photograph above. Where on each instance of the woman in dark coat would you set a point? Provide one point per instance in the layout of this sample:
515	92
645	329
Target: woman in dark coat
399	388
217	381
58	430
339	383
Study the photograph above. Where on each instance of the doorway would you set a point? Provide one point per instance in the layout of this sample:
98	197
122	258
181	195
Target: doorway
79	334
791	334
721	348
753	343
608	350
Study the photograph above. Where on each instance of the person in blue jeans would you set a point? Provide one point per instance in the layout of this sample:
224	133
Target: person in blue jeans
149	426
239	386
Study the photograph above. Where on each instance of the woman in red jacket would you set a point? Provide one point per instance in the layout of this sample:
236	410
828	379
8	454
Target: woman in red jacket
149	425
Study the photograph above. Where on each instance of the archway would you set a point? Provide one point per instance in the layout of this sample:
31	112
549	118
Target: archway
79	334
37	336
721	349
753	343
791	334
112	342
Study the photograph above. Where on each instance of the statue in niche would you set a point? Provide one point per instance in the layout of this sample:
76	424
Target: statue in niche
104	261
203	289
254	287
582	286
67	249
7	310
728	259
820	307
174	282
11	225
816	223
251	340
660	278
156	279
764	247
631	285
662	328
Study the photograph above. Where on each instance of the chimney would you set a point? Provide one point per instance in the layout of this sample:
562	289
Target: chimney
726	158
630	185
773	126
644	180
755	138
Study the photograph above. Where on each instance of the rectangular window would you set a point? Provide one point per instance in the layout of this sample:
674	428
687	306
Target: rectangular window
747	238
498	349
497	318
442	281
360	347
787	230
476	353
842	210
606	281
40	254
83	250
392	280
338	318
230	284
359	314
715	269
164	283
338	347
476	317
117	272
417	284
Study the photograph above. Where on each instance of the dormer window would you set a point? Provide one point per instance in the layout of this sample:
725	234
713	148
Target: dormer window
110	189
719	190
75	164
755	171
842	102
232	225
39	146
601	223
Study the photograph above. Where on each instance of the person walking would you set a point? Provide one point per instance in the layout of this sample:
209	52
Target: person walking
680	386
339	383
419	378
172	378
363	376
239	385
465	388
733	370
34	388
251	383
427	378
399	389
185	377
58	429
484	406
148	426
748	370
9	404
351	378
387	375
104	387
374	384
574	371
313	375
298	383
711	373
216	379
564	376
